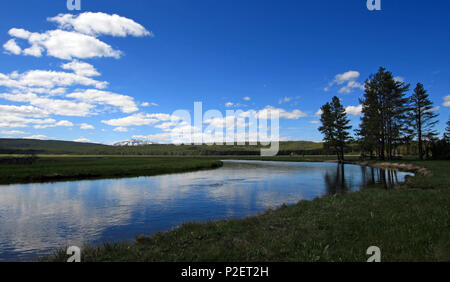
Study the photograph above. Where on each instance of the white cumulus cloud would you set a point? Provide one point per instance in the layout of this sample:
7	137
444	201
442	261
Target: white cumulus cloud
266	112
24	111
349	79
53	106
354	110
93	96
22	116
47	79
65	123
12	47
100	24
64	44
76	36
81	68
133	120
346	76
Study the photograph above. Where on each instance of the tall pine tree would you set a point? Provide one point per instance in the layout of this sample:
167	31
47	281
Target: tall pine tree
341	125
384	113
422	119
327	128
335	127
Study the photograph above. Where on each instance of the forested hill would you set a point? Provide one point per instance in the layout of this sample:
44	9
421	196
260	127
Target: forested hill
29	146
32	146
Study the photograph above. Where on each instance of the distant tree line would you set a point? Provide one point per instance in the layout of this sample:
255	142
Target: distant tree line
389	120
30	159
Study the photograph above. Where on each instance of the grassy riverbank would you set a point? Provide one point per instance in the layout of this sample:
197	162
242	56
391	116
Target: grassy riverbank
45	169
408	224
48	168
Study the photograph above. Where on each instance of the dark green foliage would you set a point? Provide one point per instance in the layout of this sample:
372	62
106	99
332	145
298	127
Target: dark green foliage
327	128
422	119
383	124
447	131
335	127
26	160
341	125
440	149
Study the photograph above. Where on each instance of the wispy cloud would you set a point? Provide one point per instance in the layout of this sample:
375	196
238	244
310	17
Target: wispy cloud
86	126
82	140
284	100
120	129
39	137
65	123
12	132
147	104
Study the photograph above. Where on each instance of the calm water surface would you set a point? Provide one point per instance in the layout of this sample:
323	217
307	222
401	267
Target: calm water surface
37	218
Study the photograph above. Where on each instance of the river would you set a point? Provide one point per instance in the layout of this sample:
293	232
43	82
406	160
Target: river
35	219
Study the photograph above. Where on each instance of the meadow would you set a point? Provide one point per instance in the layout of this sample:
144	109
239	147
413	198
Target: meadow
64	168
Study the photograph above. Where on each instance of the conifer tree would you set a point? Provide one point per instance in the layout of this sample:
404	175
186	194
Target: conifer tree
341	125
384	113
327	128
422	119
335	127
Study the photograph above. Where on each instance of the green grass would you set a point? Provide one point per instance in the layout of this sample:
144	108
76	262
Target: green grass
439	179
408	224
47	169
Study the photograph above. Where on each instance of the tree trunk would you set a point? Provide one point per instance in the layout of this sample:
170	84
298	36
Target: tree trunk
382	149
420	141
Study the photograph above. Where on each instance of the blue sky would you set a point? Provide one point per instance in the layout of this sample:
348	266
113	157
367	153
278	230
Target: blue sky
88	75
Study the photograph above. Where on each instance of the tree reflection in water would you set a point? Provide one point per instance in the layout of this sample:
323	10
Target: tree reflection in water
336	181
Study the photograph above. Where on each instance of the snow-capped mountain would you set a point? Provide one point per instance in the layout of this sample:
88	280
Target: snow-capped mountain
132	142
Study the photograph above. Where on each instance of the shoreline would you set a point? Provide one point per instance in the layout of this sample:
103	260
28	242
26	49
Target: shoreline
50	169
394	165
